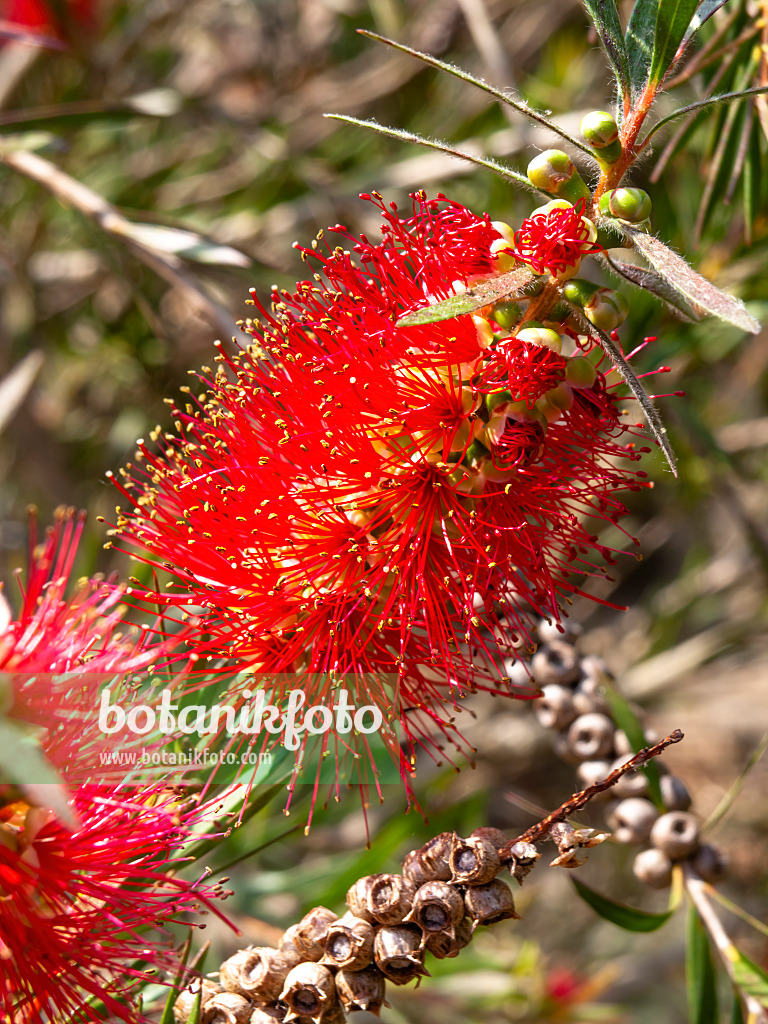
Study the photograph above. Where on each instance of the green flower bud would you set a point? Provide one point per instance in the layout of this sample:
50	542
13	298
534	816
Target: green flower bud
541	336
630	204
507	314
580	373
523	413
607	309
553	171
556	401
578	291
600	130
497	399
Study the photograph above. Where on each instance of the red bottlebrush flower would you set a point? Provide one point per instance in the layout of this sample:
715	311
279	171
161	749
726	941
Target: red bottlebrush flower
388	507
78	907
555	239
48	22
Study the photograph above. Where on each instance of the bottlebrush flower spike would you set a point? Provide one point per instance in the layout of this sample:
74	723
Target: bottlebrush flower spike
556	238
391	505
78	907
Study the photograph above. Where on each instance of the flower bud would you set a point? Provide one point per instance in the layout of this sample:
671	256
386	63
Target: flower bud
580	372
184	1005
676	833
554	709
507	314
630	204
361	990
653	867
631	820
349	943
383	898
503	260
600	130
437	907
607	309
444	945
579	291
591	736
258	973
308	936
555	402
553	172
489	903
674	793
474	861
309	992
398	953
541	336
557	662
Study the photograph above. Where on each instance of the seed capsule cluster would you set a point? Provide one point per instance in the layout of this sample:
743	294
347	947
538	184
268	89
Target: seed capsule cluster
328	966
572	704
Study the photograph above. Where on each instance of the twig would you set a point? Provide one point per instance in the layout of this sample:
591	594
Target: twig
541	829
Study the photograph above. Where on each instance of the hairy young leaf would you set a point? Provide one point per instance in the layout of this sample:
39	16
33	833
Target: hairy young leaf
673	18
692	286
629	918
639	39
606	18
706	9
700	973
505	286
656	285
657	428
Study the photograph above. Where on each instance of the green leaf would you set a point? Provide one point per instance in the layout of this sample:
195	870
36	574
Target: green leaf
750	979
653	419
21	758
173	992
639	39
404	136
181	242
606	18
700	973
737	1016
725	97
691	286
510	285
31	141
656	285
503	97
629	918
706	9
627	720
673	18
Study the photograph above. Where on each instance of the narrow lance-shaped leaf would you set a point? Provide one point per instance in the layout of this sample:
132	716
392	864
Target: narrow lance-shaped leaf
748	976
629	918
700	973
505	286
673	18
692	286
725	97
656	285
639	40
657	428
404	136
519	105
606	18
705	11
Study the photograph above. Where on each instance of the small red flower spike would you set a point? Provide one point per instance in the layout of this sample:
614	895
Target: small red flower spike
556	238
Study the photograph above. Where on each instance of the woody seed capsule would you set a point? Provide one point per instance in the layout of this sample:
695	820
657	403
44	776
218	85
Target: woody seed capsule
437	907
676	833
308	936
431	860
398	953
349	943
258	973
591	736
361	990
227	1008
554	709
383	898
522	857
474	861
631	820
490	903
182	1008
558	662
443	945
654	868
309	991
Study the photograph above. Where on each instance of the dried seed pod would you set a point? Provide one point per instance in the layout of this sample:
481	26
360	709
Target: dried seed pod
654	868
569	840
554	709
474	861
588	698
590	736
676	833
258	973
632	784
710	864
383	898
437	907
308	936
631	820
563	749
349	943
287	944
557	662
590	772
361	990
187	998
309	991
564	632
273	1013
490	903
621	744
430	862
398	953
494	835
674	793
442	945
522	857
228	1008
